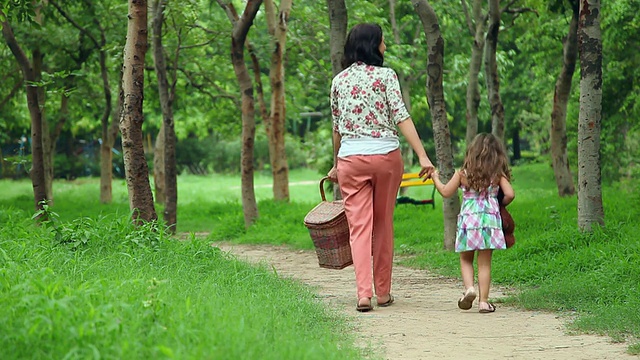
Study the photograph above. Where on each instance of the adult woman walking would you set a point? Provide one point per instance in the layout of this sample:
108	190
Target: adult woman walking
367	109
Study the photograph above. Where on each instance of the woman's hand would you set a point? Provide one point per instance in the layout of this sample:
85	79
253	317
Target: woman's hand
426	167
333	174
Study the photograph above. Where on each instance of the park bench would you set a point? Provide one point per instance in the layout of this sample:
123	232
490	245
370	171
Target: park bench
414	179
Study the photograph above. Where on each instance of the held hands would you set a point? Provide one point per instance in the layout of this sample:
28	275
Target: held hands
427	168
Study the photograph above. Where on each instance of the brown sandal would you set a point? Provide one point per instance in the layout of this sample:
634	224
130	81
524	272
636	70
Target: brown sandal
364	308
492	308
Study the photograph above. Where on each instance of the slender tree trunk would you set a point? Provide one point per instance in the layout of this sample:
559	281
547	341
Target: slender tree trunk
238	37
37	153
277	24
435	97
473	87
158	164
108	130
135	164
405	86
564	179
337	33
590	209
491	70
109	134
337	38
168	130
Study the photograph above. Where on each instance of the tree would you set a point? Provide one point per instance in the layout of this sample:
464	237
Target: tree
277	28
166	93
135	164
491	70
559	157
476	29
590	209
109	129
337	38
239	33
33	104
440	123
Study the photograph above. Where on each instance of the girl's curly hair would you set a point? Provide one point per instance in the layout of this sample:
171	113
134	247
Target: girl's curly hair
485	162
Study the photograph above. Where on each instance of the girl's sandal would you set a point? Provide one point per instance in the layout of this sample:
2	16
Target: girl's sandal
490	308
466	301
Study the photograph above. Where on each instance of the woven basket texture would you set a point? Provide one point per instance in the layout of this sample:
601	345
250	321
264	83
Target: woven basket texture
329	230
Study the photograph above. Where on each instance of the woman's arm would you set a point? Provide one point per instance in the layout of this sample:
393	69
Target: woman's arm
408	130
450	188
333	173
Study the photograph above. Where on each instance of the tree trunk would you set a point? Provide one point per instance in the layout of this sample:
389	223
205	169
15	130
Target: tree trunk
491	70
473	87
564	179
37	153
238	37
590	209
435	98
158	163
275	127
109	134
337	33
337	38
135	163
169	136
405	87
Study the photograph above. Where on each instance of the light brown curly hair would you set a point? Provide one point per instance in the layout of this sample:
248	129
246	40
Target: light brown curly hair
485	162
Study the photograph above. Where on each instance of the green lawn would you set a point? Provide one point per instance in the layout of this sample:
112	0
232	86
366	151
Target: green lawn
593	277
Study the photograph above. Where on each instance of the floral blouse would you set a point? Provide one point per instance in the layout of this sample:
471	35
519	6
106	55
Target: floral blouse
366	102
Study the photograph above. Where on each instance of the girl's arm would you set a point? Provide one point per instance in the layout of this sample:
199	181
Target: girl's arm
507	189
449	189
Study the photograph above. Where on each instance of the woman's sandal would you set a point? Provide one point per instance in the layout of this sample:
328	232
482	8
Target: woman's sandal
388	302
466	301
492	308
365	307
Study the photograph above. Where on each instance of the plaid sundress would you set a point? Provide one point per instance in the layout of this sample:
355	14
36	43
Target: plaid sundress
479	222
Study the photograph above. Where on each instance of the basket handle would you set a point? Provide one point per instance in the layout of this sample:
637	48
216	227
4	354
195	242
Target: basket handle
322	195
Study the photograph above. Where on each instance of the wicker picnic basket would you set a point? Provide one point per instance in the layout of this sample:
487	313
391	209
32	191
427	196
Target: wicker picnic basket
329	230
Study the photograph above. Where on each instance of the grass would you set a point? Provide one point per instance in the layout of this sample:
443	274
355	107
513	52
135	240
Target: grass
102	289
594	278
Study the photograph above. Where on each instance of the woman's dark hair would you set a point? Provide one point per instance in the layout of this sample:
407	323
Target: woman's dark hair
363	44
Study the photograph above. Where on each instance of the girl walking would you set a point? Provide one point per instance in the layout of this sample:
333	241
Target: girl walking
484	172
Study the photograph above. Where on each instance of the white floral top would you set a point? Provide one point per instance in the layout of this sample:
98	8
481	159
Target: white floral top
366	102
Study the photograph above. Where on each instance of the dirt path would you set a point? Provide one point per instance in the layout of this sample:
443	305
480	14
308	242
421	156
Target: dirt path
425	322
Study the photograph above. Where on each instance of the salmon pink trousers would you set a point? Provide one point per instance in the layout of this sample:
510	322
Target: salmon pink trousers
369	185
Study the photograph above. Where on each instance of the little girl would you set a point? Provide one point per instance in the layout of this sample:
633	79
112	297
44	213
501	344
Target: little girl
485	171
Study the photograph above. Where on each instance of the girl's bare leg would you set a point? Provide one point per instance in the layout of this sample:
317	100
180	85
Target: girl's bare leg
466	268
484	277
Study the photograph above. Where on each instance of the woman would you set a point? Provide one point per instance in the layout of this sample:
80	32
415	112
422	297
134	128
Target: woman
367	110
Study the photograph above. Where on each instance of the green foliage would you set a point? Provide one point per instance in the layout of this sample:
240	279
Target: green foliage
133	293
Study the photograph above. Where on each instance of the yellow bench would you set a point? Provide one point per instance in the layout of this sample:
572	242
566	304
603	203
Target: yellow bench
414	179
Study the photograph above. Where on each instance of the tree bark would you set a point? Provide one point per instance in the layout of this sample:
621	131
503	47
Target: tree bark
491	70
337	33
135	163
37	152
158	164
275	127
338	19
473	86
166	103
590	208
239	33
435	98
564	179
